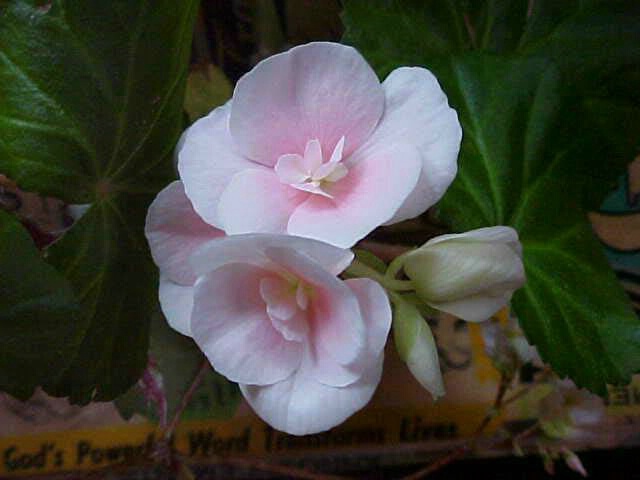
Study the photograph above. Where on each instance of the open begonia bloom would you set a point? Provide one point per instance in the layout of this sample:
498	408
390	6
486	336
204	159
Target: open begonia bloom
312	145
270	313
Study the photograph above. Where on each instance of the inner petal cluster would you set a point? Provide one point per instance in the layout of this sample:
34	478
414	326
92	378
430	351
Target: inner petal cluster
309	172
287	300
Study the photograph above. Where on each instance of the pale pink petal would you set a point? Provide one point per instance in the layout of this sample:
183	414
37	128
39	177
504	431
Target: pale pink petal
230	324
176	302
279	301
174	230
318	91
256	201
295	328
313	155
300	405
290	169
302	299
338	173
207	160
417	113
311	188
376	312
365	198
338	151
336	322
250	248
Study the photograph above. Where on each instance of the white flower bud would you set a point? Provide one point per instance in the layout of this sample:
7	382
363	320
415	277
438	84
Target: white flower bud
471	275
417	347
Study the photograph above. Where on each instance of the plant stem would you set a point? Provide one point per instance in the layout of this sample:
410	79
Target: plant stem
186	398
359	269
463	450
395	266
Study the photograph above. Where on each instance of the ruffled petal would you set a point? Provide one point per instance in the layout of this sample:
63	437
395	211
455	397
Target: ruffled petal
374	188
376	312
315	91
174	230
231	326
336	325
207	160
176	302
256	201
291	169
300	405
417	113
250	248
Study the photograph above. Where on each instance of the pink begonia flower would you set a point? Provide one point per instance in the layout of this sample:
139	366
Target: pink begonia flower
311	144
270	313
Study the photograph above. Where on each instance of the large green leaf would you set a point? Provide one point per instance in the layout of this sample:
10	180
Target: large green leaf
39	326
546	132
529	160
91	98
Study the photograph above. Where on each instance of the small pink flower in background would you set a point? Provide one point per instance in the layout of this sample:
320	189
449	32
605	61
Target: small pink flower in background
270	313
312	145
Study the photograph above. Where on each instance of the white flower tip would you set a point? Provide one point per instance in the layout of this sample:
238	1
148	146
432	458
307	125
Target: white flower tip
470	275
417	348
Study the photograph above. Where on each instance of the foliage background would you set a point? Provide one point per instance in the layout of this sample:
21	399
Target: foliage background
91	105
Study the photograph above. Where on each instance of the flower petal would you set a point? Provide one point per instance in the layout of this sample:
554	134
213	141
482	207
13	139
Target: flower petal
365	198
250	248
315	91
176	302
300	405
231	326
174	230
497	234
417	347
290	169
207	160
417	113
475	308
256	201
312	155
376	312
336	324
452	270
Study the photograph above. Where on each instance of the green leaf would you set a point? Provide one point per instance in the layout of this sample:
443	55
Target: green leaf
106	259
547	131
91	97
530	160
392	32
39	325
